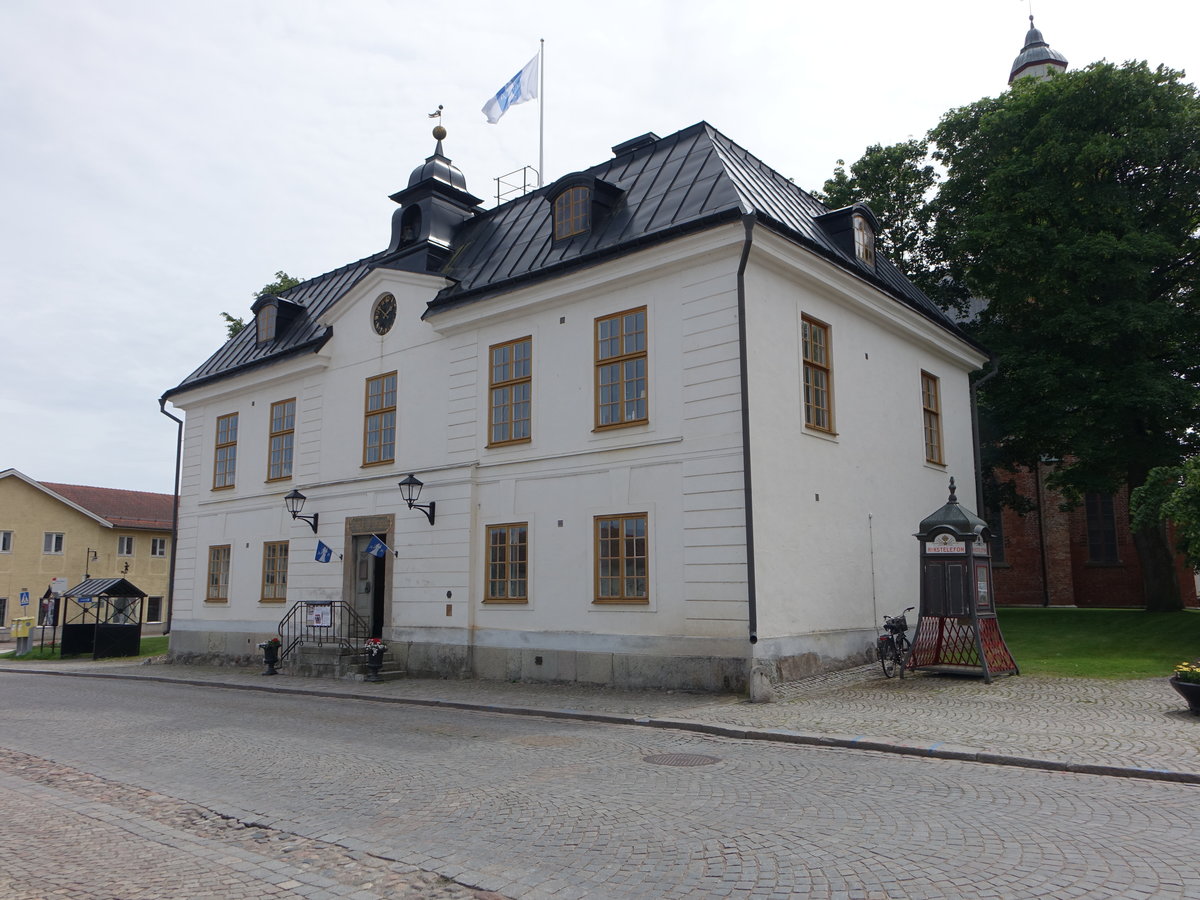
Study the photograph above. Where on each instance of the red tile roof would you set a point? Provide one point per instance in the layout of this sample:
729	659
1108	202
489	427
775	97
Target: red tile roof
125	509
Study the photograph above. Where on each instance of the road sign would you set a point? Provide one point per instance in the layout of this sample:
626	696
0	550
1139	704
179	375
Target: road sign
24	598
83	601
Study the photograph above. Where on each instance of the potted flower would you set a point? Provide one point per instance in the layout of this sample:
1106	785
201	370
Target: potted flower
270	649
374	648
1186	682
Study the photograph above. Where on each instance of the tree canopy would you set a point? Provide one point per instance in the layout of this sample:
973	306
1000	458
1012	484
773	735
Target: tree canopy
1071	206
283	281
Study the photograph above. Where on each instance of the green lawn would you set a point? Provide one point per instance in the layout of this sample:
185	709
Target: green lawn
150	646
1100	643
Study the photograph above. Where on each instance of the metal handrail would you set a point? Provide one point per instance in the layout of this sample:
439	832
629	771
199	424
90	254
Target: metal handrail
320	623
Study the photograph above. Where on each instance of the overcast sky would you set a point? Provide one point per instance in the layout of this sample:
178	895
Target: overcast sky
161	160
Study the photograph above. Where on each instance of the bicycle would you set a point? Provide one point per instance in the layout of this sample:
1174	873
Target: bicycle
893	647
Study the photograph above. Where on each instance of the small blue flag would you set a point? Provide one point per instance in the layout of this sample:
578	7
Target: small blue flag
376	548
521	87
324	553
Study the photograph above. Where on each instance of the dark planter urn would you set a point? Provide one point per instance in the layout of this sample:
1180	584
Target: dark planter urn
374	664
1189	692
270	657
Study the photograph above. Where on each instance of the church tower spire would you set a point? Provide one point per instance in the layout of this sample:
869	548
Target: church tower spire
1036	59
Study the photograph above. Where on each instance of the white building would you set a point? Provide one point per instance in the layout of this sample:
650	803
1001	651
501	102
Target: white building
678	420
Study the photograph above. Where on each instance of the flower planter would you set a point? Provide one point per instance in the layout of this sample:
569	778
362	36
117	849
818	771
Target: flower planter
1189	692
374	664
270	651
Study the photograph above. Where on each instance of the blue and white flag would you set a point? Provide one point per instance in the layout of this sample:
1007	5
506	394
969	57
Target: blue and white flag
376	548
521	87
324	553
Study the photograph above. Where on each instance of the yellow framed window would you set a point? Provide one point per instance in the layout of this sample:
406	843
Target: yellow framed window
931	410
274	572
572	212
818	375
218	574
379	429
510	390
225	463
622	559
621	380
508	563
281	440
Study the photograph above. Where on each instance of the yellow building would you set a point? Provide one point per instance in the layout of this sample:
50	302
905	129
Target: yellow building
71	532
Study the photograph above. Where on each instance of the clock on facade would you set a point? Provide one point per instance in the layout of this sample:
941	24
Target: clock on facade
383	315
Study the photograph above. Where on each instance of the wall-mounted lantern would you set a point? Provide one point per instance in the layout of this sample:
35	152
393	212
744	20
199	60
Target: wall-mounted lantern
295	504
410	490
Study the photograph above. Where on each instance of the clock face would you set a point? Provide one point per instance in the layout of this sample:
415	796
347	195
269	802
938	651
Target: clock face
383	316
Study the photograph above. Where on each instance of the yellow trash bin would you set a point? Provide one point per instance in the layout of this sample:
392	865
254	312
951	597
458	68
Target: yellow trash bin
21	626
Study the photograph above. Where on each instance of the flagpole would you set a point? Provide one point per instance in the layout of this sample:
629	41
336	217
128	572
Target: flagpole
541	111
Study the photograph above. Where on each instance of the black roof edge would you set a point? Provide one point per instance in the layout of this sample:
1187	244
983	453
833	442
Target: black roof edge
314	345
595	258
866	275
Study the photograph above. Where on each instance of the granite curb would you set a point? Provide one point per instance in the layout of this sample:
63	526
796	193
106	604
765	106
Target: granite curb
929	750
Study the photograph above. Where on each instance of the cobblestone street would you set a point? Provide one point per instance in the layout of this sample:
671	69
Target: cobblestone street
141	788
70	834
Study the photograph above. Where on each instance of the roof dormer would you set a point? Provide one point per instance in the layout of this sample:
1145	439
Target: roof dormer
272	316
853	230
578	203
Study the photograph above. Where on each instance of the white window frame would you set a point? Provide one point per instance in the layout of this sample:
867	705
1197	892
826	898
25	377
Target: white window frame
53	543
6	541
158	547
125	545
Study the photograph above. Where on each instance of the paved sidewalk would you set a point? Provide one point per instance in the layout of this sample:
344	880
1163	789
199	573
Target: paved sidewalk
1135	728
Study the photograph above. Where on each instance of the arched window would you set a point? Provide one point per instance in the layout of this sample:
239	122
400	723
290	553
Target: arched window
572	212
864	240
264	323
410	225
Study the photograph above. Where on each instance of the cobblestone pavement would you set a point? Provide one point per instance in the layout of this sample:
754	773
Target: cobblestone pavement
1139	727
70	834
540	808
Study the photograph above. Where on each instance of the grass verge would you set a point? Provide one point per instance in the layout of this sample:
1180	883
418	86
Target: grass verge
1100	643
150	646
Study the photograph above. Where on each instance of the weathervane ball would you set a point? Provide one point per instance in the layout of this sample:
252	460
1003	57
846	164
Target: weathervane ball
439	133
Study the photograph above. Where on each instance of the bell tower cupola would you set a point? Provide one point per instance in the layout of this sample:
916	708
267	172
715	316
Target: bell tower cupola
1036	59
433	205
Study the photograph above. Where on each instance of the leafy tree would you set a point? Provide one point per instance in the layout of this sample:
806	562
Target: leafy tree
896	182
1073	206
232	324
282	282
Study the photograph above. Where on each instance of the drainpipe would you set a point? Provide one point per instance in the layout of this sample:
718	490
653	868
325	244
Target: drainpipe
747	481
975	439
162	407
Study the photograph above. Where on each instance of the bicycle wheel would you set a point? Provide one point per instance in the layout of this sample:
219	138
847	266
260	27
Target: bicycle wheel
902	648
887	657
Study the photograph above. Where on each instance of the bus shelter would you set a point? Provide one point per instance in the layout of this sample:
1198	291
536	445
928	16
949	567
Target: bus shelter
102	617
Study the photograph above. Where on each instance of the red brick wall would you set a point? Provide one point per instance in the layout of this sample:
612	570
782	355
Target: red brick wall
1065	577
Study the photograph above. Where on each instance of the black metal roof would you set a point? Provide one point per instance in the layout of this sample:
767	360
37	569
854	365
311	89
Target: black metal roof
691	180
104	587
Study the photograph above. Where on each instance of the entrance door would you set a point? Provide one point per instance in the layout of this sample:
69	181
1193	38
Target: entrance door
370	573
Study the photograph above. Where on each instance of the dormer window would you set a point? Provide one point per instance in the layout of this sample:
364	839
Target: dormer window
864	240
272	317
572	212
265	321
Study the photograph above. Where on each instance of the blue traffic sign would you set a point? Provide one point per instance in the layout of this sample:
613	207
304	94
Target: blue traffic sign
24	598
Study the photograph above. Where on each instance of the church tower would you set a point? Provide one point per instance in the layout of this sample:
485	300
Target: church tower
1036	59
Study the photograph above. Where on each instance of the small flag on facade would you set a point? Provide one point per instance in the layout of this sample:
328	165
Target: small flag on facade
324	553
521	87
377	547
